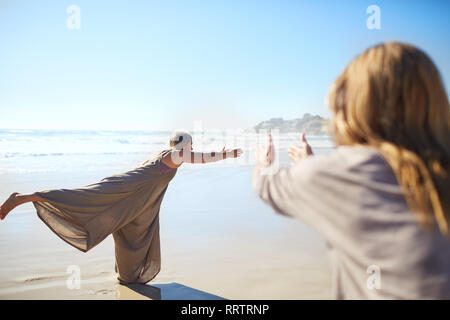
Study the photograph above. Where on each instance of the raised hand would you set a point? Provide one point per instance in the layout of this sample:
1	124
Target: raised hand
266	156
237	152
233	153
296	153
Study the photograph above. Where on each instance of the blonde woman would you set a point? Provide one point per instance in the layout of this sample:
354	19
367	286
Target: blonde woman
124	205
382	198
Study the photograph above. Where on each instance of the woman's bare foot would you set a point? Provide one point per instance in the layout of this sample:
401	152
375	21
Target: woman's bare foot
8	205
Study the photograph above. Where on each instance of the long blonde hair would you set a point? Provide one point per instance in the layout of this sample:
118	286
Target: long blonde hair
391	97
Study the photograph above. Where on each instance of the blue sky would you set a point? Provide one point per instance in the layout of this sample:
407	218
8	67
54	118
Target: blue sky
160	65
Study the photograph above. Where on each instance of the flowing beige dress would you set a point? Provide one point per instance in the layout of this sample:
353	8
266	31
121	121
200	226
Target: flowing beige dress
125	205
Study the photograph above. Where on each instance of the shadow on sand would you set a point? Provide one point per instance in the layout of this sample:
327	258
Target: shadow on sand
165	291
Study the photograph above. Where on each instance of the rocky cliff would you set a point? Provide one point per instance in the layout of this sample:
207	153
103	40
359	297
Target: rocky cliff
311	125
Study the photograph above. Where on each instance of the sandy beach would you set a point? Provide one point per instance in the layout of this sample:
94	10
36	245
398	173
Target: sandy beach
216	236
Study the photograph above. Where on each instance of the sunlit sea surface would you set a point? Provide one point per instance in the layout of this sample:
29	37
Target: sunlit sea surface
33	151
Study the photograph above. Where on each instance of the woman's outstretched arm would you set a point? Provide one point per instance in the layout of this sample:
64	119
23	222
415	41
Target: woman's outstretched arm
177	157
16	199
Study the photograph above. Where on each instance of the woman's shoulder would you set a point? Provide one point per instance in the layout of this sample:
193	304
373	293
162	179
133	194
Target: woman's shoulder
359	156
344	159
156	157
358	150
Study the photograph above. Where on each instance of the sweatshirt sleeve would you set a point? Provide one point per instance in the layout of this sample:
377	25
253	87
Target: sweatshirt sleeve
280	189
306	191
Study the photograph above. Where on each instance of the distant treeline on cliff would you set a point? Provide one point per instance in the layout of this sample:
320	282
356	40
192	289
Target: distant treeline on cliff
311	125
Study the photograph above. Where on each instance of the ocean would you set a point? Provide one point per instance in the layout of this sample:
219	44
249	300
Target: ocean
32	151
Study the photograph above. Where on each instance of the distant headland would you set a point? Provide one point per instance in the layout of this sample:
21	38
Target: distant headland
311	125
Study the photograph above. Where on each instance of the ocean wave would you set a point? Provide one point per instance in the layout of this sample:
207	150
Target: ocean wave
58	154
123	141
70	169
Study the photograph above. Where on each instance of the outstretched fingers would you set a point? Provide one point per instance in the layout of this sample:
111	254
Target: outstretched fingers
233	153
270	150
302	138
298	153
269	145
295	153
305	144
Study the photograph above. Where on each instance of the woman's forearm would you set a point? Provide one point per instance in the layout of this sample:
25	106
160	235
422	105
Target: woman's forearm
203	157
209	157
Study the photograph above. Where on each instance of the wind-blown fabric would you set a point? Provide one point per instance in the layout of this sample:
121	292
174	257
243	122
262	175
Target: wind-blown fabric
125	205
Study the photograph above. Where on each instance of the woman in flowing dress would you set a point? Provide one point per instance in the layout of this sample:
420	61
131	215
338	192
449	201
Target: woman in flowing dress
125	205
